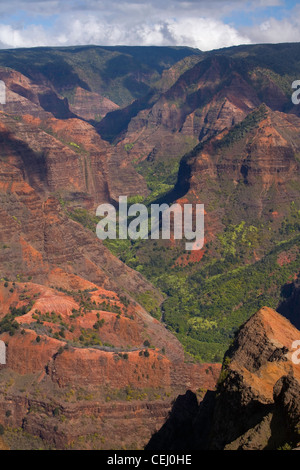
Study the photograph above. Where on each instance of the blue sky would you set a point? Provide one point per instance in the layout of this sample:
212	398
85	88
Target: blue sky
261	13
196	23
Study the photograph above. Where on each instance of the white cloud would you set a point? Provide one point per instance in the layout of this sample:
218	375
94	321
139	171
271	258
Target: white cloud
204	33
30	37
274	31
195	23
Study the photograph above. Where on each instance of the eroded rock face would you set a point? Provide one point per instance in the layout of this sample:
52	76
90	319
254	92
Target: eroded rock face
69	158
106	425
256	404
246	173
39	237
70	353
37	98
211	96
65	154
90	106
77	336
99	316
259	358
66	348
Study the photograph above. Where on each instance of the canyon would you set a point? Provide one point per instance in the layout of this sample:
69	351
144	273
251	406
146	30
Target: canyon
119	345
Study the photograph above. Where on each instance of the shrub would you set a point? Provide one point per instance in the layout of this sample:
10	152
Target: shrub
62	333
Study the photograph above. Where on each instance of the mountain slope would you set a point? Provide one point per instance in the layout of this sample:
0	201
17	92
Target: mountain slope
256	404
73	331
216	91
118	73
217	128
248	179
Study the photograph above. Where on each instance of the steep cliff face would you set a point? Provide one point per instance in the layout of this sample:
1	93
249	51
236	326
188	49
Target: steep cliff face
90	106
72	329
256	405
207	98
67	157
37	98
87	424
258	377
74	333
213	94
69	353
38	238
248	173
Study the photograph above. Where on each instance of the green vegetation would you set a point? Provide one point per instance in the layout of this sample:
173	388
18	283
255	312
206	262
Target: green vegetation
206	302
160	176
149	302
89	337
128	147
83	217
286	446
9	324
205	307
120	73
73	144
240	130
262	76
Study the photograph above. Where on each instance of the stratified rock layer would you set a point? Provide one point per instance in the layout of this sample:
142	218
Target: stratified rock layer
256	405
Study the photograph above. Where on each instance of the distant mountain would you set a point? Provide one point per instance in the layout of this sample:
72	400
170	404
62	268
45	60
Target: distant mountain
92	325
224	133
74	318
247	177
120	74
215	91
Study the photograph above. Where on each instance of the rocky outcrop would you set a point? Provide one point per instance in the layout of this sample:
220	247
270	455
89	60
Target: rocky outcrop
39	238
106	425
69	354
37	98
78	336
213	94
259	359
73	331
67	157
245	173
90	106
256	405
